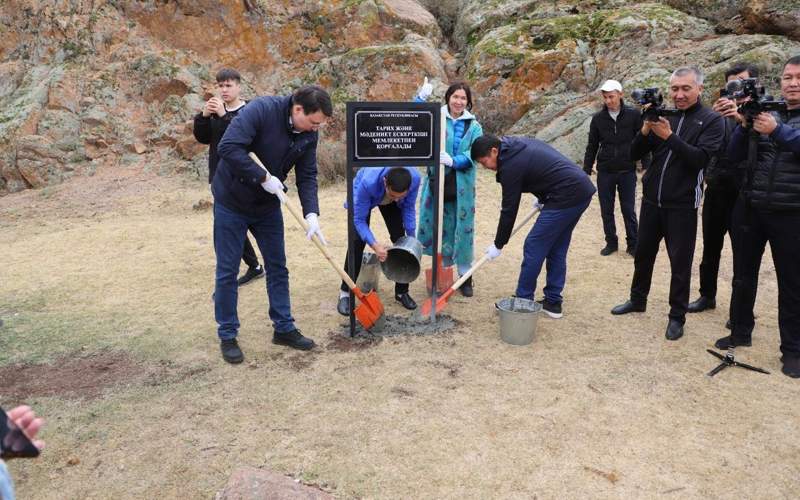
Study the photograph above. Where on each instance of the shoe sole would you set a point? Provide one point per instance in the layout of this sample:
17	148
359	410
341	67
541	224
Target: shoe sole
404	306
553	315
293	346
233	361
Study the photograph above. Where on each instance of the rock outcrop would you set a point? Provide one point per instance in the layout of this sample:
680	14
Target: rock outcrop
84	84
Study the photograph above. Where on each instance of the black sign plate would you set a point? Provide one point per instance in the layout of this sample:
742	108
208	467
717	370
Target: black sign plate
394	135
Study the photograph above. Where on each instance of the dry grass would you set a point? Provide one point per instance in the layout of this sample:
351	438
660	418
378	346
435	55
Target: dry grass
597	406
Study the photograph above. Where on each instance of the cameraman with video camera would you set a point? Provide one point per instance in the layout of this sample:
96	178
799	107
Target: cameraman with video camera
683	143
723	183
771	204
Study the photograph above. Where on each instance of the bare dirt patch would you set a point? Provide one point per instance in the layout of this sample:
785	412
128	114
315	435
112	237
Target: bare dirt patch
69	376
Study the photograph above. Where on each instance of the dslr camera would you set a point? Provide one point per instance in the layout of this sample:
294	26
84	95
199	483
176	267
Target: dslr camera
653	98
754	98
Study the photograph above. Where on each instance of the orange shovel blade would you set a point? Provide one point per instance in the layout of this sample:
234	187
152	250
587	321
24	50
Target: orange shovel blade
370	310
441	302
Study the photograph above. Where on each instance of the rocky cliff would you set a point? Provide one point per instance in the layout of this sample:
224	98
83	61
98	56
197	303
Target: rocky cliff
85	83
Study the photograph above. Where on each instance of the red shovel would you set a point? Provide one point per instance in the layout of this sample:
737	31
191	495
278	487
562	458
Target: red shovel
370	311
441	302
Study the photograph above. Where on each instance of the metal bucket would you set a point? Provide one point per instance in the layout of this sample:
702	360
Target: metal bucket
402	264
368	276
518	319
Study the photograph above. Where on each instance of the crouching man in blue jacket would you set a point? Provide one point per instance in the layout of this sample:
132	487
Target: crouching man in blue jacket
525	165
394	192
282	132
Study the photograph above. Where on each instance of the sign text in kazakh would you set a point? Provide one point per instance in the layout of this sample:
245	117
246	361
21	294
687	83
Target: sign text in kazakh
393	135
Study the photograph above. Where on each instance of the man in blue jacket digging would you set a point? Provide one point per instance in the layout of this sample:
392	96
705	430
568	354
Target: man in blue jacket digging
525	165
394	191
282	132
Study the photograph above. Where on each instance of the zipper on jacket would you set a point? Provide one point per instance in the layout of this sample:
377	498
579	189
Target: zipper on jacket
666	162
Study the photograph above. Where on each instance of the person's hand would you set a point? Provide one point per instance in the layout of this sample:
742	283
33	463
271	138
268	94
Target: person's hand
425	90
380	251
492	252
214	106
661	128
24	418
765	123
313	228
445	159
274	186
646	125
728	109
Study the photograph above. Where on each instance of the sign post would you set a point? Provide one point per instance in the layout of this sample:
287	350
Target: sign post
391	134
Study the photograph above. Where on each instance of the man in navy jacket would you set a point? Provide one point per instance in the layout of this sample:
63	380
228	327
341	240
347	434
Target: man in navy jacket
526	165
394	192
282	132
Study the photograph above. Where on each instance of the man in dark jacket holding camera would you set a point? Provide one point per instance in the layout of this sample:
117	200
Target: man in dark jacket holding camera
723	182
683	145
282	132
771	204
610	135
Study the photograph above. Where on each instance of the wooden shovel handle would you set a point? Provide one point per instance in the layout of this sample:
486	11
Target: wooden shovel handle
485	258
300	220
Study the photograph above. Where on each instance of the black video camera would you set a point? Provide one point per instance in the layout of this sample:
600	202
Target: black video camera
756	100
655	100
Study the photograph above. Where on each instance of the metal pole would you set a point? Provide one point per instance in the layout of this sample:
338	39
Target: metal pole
351	259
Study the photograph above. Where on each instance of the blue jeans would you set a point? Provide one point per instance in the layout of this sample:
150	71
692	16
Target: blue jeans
548	240
230	231
625	184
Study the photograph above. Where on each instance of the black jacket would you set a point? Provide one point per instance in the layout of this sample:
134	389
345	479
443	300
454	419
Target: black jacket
610	140
725	174
209	130
531	166
776	179
264	127
675	178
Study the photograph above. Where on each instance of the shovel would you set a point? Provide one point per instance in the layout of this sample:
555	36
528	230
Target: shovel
444	275
369	312
441	302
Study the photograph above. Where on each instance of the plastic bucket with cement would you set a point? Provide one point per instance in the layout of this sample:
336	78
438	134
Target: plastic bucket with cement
517	319
402	264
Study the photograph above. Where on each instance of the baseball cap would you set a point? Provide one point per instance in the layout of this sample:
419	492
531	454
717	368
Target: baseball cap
610	86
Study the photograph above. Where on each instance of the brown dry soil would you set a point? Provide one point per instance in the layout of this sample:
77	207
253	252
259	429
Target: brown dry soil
108	332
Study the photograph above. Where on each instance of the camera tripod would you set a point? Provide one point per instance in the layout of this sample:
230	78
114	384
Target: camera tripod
728	360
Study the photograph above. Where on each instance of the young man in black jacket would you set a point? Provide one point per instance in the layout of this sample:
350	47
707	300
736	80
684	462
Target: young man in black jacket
771	206
209	127
683	146
610	135
525	165
723	182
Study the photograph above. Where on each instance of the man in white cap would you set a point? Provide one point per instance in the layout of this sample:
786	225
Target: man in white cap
610	135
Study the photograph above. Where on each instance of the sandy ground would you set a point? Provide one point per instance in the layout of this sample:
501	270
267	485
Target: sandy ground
121	265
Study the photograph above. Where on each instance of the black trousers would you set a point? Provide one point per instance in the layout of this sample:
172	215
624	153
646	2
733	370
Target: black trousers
782	230
394	223
743	293
678	227
608	184
717	212
249	253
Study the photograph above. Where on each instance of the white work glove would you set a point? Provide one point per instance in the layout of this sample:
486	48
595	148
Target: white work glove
538	205
445	159
425	90
492	252
273	186
313	228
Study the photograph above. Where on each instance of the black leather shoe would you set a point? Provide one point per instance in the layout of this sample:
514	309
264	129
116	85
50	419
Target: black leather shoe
293	339
251	274
608	250
466	289
725	343
343	307
406	300
629	307
231	352
674	330
791	366
702	304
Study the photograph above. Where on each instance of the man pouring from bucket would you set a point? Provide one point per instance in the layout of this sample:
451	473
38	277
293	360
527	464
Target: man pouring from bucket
526	165
394	191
